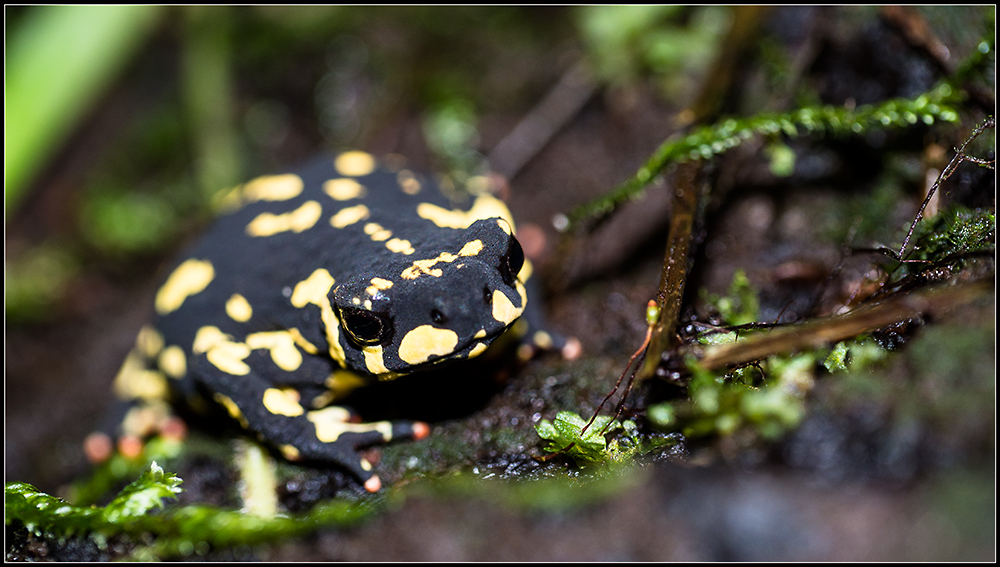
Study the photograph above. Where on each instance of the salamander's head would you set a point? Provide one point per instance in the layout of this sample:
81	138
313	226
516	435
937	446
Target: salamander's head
448	303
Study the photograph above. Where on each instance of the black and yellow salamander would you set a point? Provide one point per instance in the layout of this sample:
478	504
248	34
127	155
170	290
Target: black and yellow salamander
346	268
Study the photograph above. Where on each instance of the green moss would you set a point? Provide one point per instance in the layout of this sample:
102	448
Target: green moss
740	306
836	361
174	532
956	230
565	435
708	141
42	513
720	405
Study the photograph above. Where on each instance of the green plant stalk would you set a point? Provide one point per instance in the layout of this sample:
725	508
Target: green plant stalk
59	61
207	87
675	266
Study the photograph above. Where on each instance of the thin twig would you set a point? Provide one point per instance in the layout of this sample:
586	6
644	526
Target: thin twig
636	354
960	156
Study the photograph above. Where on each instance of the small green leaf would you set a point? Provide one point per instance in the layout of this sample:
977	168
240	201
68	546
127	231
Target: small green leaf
564	434
836	361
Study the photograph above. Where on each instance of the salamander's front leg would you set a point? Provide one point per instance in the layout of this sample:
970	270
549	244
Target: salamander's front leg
279	417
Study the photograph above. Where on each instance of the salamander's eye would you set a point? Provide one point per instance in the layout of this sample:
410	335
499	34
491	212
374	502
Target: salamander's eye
365	327
512	261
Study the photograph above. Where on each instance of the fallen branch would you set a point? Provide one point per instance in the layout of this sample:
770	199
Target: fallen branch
826	331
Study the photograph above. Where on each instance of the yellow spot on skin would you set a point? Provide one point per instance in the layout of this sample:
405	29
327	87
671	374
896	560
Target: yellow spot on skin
206	338
374	360
228	357
471	248
315	290
426	341
282	347
480	334
135	381
221	351
191	277
231	408
427	266
344	189
301	219
273	188
332	414
477	350
173	362
504	226
376	232
290	452
340	383
149	341
407	182
354	164
302	342
283	402
349	216
238	308
503	310
526	271
378	284
389	376
312	289
400	246
331	422
484	207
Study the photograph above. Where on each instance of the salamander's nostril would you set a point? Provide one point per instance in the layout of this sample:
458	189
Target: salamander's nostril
438	317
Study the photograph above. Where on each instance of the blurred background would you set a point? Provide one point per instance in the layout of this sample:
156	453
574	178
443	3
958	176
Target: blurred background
123	122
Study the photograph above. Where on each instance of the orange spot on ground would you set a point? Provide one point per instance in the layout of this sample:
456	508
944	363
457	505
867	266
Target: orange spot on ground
130	446
174	428
97	447
572	350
